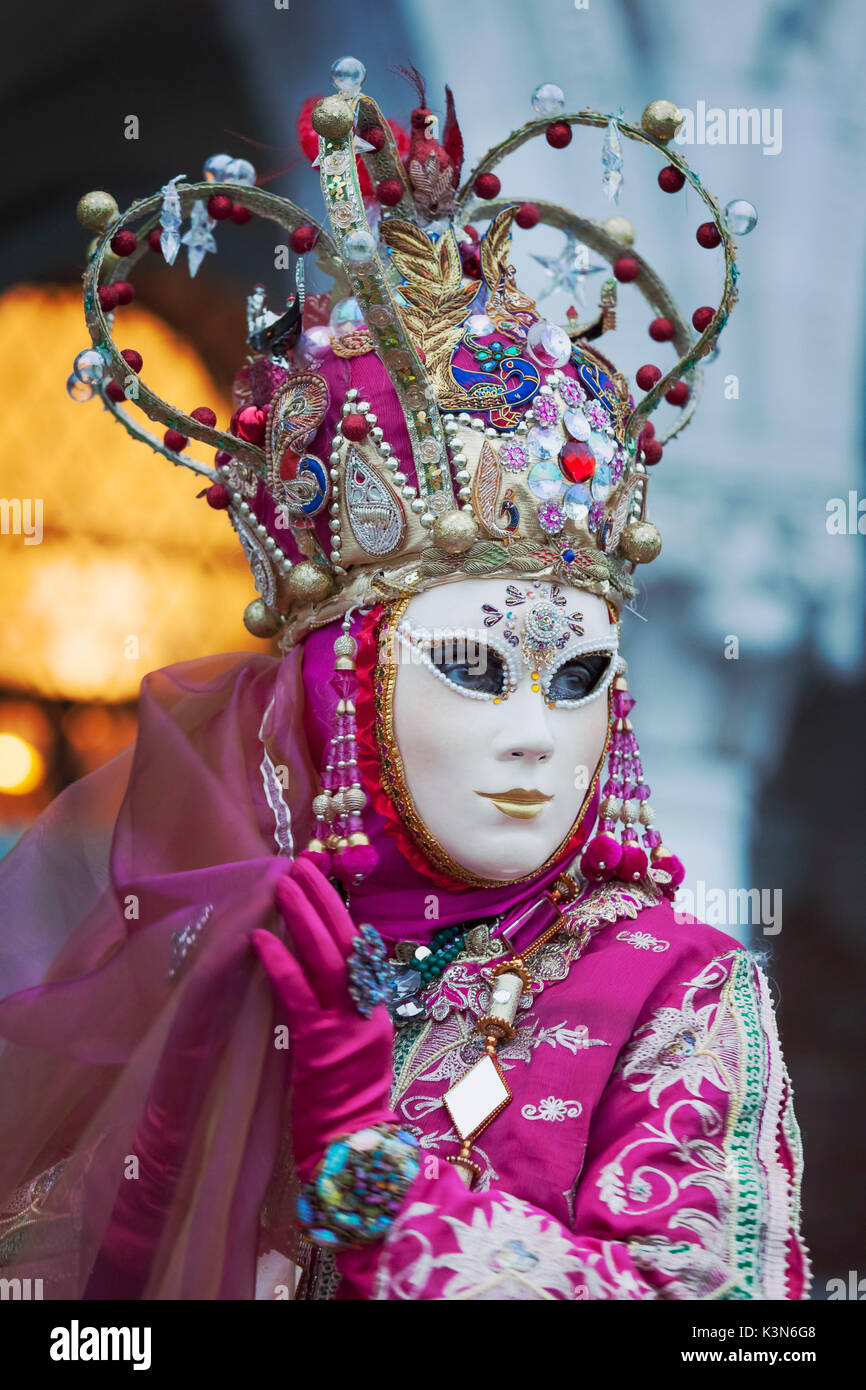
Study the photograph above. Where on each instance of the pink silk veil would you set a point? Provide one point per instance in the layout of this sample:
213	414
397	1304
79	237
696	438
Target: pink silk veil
138	1024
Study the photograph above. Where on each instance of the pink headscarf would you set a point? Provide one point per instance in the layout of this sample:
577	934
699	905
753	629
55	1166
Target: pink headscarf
137	1019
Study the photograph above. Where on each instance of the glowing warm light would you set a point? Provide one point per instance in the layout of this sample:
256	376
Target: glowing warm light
133	572
22	766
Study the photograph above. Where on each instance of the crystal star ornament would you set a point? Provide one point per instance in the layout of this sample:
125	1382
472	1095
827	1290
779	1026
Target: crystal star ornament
567	271
200	238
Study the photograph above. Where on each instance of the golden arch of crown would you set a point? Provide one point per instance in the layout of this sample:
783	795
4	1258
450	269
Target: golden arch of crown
514	445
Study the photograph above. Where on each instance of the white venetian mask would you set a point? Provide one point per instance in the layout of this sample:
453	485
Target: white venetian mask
500	715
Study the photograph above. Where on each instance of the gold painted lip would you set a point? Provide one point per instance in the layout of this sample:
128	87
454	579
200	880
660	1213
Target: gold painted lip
518	802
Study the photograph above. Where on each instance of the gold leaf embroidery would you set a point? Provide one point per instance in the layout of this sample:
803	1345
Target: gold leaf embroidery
485	490
436	298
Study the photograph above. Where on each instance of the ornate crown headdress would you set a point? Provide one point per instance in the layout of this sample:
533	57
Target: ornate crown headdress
442	426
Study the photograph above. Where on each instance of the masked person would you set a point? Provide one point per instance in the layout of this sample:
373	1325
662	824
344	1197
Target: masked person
362	963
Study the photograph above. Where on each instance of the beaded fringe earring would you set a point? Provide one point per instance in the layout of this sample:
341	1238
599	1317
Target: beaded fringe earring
625	798
339	841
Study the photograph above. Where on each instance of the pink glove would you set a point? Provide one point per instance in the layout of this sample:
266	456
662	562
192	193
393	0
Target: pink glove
341	1062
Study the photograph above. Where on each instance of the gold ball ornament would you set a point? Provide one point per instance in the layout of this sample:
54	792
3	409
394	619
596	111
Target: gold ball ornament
96	210
332	118
307	582
260	620
455	532
620	229
662	120
641	542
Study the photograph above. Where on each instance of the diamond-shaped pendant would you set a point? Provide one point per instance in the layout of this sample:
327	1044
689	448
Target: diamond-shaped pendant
479	1095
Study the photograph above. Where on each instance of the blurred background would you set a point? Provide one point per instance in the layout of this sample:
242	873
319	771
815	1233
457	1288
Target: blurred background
746	647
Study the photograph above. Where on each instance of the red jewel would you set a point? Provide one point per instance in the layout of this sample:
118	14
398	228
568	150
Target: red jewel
708	235
703	317
374	135
678	394
661	330
558	134
219	206
114	392
576	461
652	451
153	239
303	239
173	439
124	242
626	269
108	299
125	291
646	377
471	232
527	216
355	427
389	192
649	430
132	359
671	180
204	415
240	215
470	258
487	186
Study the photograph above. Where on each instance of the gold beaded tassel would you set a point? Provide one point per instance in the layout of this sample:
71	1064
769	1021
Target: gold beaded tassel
339	834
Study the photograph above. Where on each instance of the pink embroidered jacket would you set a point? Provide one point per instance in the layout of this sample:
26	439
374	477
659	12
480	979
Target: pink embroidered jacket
650	1149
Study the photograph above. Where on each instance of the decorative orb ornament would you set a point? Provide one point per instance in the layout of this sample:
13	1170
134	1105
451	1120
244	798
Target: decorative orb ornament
640	543
313	345
79	390
671	179
455	532
332	118
626	269
558	135
389	192
548	344
96	210
124	242
359	247
89	366
303	238
548	100
678	393
488	185
647	376
661	330
741	217
620	229
527	215
347	316
661	120
703	317
708	235
215	168
347	75
307	582
260	620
